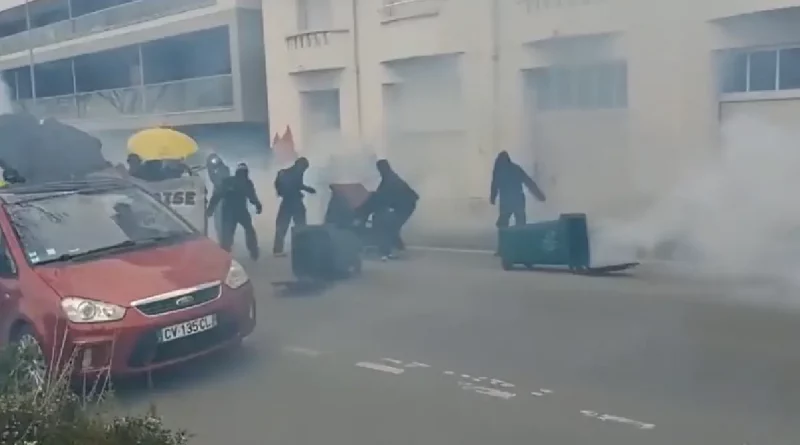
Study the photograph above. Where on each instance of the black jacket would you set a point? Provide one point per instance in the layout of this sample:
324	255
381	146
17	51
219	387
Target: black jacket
289	183
392	193
508	179
234	192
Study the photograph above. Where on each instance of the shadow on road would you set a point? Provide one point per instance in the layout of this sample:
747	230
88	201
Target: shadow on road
213	369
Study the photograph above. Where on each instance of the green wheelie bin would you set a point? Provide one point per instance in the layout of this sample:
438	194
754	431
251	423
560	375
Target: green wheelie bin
562	242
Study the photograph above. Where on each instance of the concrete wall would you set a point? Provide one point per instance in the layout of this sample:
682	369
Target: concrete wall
604	161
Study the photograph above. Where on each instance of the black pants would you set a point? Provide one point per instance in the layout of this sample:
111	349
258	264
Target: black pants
228	231
218	226
506	212
391	226
290	211
516	209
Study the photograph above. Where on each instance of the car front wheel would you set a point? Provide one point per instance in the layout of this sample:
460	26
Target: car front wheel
32	368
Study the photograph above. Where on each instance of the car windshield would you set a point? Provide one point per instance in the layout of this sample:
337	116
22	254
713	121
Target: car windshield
60	226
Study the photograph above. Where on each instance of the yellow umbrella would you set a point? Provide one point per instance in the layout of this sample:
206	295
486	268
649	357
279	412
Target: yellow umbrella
161	143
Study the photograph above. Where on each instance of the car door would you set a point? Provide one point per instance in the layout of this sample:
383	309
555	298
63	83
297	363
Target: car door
10	291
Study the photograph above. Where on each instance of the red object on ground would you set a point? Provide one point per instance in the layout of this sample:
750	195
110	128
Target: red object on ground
97	283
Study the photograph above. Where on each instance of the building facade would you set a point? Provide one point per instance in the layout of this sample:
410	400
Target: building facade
122	65
607	102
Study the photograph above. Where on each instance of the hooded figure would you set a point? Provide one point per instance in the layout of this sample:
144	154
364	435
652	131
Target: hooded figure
290	187
234	192
508	179
394	201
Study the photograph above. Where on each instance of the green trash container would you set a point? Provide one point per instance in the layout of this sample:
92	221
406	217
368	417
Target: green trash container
563	242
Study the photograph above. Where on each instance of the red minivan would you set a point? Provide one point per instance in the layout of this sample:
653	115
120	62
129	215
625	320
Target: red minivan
101	275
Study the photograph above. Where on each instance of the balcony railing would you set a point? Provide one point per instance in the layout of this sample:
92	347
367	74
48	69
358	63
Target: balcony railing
183	96
99	21
547	5
394	10
319	50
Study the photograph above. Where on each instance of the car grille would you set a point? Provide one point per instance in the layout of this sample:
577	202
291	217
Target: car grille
173	304
148	351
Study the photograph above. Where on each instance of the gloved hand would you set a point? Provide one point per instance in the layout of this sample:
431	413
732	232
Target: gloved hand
259	209
312	190
492	201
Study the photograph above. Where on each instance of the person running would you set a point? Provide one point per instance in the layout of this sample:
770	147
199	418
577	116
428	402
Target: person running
290	188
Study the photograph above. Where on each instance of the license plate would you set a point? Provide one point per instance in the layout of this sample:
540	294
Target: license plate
187	328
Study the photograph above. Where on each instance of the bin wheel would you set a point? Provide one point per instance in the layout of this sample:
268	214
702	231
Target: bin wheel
530	266
507	264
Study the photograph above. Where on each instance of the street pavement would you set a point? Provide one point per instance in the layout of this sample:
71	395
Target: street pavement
445	348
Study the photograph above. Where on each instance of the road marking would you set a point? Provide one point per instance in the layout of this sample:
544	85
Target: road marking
486	391
449	373
500	383
537	394
417	365
302	351
393	361
618	419
545	391
380	367
451	250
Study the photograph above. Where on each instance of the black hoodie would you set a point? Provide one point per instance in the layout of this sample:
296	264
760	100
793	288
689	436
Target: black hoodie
289	181
392	193
508	179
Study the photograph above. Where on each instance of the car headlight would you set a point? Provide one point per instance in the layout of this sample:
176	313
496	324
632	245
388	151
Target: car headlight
82	310
237	277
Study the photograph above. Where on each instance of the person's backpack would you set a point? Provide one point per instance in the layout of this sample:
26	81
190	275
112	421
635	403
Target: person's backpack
281	179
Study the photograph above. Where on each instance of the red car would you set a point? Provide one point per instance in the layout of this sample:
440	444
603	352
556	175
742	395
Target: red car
101	273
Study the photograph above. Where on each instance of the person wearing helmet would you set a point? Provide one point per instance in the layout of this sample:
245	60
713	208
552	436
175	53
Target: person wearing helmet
290	187
233	195
218	171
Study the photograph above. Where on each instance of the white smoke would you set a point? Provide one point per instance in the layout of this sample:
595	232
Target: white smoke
6	104
737	215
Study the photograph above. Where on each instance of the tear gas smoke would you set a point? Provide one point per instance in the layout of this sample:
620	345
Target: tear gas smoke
6	104
738	215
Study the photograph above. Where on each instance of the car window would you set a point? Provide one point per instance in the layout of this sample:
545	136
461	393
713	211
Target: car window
7	265
70	223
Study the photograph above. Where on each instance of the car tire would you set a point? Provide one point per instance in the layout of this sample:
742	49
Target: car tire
37	371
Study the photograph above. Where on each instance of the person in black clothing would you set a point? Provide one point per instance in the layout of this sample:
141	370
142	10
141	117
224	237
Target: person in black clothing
507	181
217	172
233	193
290	187
391	206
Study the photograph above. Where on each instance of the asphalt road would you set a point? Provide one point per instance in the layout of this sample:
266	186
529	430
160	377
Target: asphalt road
445	348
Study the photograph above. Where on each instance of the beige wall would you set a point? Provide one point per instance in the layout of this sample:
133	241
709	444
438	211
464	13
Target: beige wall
604	161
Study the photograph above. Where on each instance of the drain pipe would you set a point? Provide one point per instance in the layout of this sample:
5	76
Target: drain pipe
495	16
357	63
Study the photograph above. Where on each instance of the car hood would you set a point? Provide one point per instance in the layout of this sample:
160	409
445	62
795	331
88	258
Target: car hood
129	276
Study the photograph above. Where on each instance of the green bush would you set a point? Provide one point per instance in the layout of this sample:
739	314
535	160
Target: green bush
55	414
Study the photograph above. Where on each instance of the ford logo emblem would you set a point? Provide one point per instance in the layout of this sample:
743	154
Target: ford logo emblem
184	301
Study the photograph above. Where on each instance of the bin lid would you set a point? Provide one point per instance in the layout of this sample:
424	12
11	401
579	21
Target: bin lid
354	194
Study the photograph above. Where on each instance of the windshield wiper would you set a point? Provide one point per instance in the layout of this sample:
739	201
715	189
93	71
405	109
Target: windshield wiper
122	245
